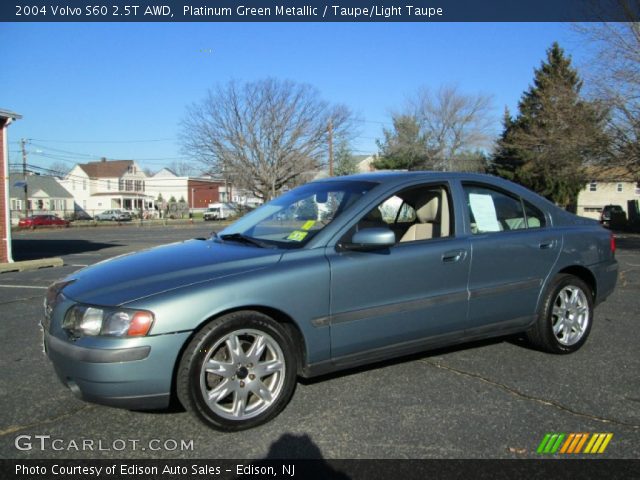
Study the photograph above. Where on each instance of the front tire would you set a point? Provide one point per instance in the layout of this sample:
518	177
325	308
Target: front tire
566	315
238	372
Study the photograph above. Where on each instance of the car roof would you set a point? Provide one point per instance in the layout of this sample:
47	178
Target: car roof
391	178
401	176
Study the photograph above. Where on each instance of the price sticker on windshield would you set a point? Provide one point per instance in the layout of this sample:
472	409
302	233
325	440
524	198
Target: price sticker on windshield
297	236
308	224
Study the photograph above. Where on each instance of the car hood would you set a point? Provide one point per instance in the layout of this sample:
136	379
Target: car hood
149	272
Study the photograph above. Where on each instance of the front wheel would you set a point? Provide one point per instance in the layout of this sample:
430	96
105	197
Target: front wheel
565	319
238	372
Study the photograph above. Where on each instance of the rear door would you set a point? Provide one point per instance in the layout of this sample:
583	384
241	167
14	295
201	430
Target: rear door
513	250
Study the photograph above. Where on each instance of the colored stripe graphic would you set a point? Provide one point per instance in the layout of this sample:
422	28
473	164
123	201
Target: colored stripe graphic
573	443
599	442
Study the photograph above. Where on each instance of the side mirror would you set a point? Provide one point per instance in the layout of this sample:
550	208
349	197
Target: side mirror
371	239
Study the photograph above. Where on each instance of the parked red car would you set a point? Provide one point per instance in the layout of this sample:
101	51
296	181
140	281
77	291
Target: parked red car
43	221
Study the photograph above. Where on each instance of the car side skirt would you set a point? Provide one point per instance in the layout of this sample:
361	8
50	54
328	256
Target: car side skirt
416	346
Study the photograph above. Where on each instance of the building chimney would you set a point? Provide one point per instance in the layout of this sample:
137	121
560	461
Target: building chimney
103	159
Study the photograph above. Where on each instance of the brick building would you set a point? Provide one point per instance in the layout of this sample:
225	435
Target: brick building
6	117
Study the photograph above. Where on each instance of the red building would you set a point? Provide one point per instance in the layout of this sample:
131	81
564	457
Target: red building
6	117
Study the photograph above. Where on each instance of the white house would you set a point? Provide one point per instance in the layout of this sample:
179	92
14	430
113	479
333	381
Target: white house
197	192
108	184
45	194
609	186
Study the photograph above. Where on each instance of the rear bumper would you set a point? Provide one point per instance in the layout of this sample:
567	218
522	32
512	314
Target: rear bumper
128	373
606	274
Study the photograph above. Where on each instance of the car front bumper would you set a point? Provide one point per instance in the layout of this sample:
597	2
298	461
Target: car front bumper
132	373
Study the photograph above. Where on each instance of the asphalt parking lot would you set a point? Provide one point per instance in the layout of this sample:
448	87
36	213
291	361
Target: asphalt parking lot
486	400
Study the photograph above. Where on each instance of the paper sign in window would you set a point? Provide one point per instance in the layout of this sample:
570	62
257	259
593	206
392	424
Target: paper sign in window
484	212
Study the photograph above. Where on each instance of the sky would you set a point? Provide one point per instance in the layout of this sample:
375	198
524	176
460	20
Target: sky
88	90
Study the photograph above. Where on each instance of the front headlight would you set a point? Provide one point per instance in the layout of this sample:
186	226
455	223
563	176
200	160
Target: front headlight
85	320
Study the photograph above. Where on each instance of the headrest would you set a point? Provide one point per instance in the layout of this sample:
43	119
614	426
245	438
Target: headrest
428	212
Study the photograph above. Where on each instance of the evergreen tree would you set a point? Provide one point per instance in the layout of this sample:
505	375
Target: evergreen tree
346	163
404	148
555	135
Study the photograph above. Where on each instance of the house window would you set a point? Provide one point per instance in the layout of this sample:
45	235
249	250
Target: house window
73	184
108	184
139	186
128	185
16	204
593	186
121	185
84	184
131	169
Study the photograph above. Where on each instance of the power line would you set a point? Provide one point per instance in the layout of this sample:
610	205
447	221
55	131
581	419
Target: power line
106	141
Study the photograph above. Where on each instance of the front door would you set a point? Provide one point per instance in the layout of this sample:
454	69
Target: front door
399	296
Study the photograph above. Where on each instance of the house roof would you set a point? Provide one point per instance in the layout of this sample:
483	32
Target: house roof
46	183
9	114
106	168
165	172
612	173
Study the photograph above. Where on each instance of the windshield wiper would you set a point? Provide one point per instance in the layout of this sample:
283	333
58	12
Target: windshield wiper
242	238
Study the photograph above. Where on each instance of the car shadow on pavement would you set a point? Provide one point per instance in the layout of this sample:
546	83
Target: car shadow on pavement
300	447
44	248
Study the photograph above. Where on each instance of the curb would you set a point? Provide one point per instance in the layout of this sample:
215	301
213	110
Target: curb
31	265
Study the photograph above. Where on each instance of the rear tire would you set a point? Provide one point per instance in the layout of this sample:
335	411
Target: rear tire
565	316
238	372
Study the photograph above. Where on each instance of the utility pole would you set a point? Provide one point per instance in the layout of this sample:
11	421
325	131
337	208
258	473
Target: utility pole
23	143
330	148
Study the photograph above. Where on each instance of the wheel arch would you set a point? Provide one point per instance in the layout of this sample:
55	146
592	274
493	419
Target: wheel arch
279	316
584	274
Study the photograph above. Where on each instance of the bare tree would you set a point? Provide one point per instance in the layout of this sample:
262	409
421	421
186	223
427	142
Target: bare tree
184	169
453	123
614	77
263	135
59	168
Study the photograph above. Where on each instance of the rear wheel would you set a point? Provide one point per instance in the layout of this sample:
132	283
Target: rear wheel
565	319
238	372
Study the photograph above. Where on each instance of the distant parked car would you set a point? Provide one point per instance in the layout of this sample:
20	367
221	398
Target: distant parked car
392	264
114	215
43	221
613	216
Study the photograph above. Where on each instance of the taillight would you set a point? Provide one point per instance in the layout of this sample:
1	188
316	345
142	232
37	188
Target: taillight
612	244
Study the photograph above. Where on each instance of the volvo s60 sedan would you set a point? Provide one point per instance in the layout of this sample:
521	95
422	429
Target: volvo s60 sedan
334	274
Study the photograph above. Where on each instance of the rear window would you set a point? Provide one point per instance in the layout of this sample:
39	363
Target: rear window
492	210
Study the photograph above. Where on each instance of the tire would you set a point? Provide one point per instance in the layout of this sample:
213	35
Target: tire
565	317
252	387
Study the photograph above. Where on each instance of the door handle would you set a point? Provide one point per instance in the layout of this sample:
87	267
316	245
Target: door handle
547	244
454	256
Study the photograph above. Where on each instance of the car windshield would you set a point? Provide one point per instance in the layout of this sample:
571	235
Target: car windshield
292	219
